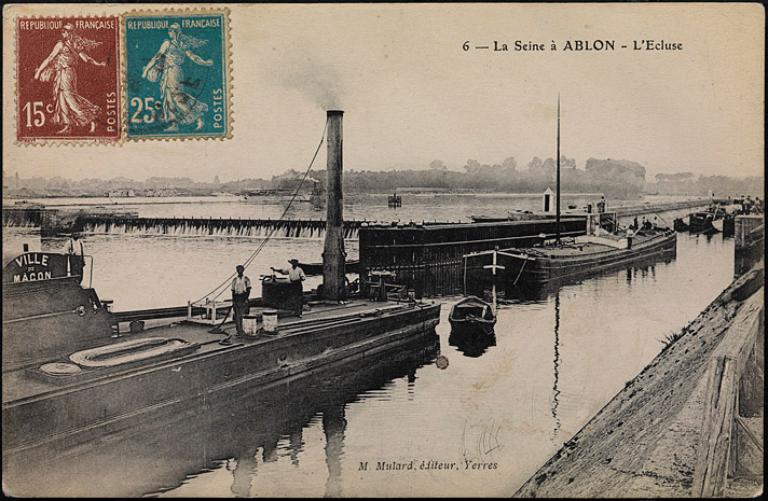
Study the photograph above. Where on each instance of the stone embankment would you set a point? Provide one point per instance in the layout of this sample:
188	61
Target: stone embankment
684	426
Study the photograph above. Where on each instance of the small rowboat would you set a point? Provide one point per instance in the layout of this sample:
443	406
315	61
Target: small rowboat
472	315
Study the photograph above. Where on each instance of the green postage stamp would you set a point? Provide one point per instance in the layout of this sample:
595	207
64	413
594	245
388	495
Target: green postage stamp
177	74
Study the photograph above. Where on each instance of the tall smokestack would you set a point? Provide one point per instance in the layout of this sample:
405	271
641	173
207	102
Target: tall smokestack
333	251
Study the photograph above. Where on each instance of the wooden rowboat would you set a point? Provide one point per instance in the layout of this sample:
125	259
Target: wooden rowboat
472	315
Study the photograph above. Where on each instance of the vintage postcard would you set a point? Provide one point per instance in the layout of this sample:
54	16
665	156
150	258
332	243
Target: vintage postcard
383	250
67	78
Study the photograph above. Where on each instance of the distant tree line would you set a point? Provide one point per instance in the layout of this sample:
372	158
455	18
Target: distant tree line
58	186
687	183
614	178
620	178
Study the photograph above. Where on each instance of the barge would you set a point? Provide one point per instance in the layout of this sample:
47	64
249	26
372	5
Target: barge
197	437
63	400
601	246
585	256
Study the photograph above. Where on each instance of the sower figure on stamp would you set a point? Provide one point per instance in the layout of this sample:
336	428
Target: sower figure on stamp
241	290
70	108
296	276
179	108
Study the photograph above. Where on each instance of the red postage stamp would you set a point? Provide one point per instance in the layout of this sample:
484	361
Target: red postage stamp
67	79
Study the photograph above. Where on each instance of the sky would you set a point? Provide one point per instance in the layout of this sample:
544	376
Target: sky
411	94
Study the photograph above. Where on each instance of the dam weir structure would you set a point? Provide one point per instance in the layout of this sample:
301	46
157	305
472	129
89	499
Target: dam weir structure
225	227
54	222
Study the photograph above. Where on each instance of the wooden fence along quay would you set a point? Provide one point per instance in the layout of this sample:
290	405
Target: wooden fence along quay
731	446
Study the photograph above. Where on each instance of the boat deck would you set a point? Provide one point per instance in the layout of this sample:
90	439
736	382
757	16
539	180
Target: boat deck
26	382
587	248
570	250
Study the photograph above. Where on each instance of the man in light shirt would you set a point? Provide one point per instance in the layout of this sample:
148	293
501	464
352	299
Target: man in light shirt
630	235
241	289
295	276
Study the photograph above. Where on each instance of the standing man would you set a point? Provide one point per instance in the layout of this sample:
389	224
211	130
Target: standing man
241	289
295	276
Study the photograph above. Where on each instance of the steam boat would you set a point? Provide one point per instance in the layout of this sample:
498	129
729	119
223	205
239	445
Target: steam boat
71	376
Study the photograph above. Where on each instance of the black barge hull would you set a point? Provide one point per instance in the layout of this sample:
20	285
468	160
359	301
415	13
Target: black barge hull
73	411
544	269
193	438
539	274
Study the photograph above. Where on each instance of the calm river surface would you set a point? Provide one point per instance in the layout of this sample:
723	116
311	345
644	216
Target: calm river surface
556	361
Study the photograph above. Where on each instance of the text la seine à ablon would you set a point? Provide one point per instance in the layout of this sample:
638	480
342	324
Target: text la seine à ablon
574	46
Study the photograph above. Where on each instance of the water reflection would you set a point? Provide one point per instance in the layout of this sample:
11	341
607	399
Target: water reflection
470	344
243	470
334	424
295	445
242	435
556	363
538	293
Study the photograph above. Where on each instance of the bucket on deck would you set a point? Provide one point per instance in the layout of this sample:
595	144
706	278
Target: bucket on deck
250	324
269	317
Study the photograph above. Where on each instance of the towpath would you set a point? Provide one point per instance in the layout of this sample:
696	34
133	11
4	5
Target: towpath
655	438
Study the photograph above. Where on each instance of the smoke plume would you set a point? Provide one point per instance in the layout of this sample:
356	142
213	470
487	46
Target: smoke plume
320	83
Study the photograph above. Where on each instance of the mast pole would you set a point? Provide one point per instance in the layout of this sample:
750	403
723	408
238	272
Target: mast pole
557	206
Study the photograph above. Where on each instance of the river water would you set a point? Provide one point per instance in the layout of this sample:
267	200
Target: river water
506	407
